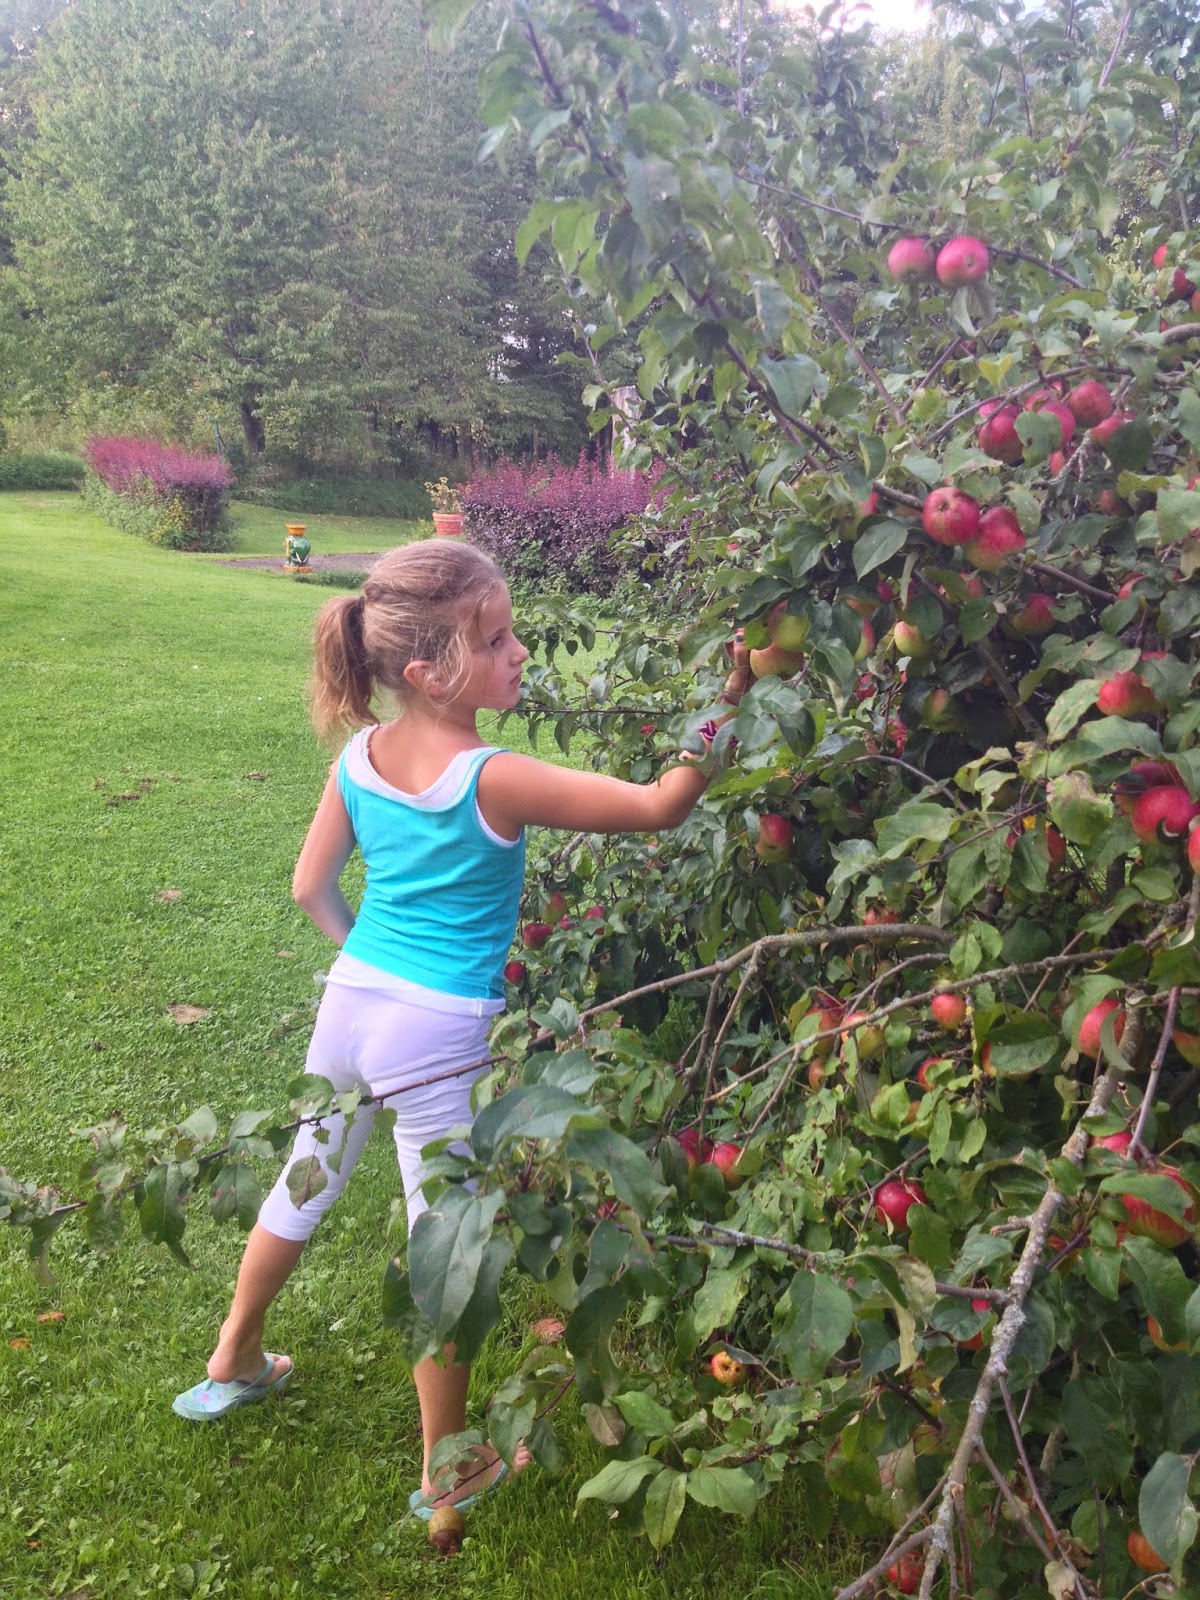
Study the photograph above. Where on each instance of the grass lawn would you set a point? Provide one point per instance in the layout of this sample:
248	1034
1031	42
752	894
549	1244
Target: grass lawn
155	741
260	531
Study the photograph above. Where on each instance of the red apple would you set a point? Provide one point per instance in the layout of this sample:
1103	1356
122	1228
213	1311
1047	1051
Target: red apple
910	641
1163	815
911	260
868	1038
950	516
725	1158
594	914
999	539
774	842
1093	1022
1154	1329
726	1370
694	1148
556	905
905	1575
1127	694
963	260
775	662
894	1200
949	1011
787	630
535	934
923	1070
1188	1045
1142	776
1056	848
1118	1143
1143	1554
1090	402
1147	1222
998	437
1103	431
1065	417
514	971
1035	617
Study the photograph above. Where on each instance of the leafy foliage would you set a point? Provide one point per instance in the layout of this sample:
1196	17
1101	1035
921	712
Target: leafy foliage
543	521
40	470
933	1263
171	496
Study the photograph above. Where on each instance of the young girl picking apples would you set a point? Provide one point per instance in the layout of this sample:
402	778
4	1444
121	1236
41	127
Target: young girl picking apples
439	816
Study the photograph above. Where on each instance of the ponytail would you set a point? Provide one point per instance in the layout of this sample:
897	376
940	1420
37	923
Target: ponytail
343	684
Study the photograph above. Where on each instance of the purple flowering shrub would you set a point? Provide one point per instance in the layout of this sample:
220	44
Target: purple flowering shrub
167	494
545	521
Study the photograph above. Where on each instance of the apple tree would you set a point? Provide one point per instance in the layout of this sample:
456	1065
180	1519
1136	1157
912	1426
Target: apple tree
851	1125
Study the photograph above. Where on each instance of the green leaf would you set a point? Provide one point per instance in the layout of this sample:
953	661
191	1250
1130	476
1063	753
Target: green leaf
643	1412
817	1319
1165	1510
445	1253
1189	417
1073	703
1178	513
626	1164
878	544
1080	814
1129	447
919	820
482	1311
792	381
541	215
1161	1282
236	1193
619	1481
664	1504
729	1489
305	1180
161	1210
534	1111
444	18
716	1301
589	1339
403	1317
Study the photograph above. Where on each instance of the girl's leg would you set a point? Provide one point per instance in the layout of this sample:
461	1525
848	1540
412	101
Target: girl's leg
277	1240
431	1043
266	1266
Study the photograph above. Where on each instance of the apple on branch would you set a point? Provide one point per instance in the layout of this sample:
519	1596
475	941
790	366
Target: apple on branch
895	1199
961	261
911	260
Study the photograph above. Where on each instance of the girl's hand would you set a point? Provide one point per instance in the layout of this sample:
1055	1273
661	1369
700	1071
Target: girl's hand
740	678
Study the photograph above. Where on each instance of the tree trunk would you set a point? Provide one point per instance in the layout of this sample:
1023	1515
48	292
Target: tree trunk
252	425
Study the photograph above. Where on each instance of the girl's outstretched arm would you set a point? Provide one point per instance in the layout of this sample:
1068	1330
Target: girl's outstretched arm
328	845
515	791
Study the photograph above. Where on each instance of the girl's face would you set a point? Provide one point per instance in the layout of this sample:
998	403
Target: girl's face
497	656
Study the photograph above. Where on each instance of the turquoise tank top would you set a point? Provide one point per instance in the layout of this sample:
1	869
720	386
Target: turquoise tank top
442	888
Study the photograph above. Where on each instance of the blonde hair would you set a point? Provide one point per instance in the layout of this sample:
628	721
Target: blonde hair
421	602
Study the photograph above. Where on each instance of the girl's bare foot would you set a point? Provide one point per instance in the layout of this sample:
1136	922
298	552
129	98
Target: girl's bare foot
232	1360
477	1473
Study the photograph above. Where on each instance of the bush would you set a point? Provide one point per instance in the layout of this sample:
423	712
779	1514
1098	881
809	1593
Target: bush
43	469
548	522
349	496
164	493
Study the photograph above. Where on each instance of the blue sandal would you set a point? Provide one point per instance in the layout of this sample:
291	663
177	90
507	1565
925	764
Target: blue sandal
419	1507
208	1400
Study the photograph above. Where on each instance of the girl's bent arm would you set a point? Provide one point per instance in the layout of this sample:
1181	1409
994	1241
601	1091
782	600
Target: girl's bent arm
518	790
328	845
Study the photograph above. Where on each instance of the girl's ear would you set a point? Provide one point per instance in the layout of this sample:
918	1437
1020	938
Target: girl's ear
422	676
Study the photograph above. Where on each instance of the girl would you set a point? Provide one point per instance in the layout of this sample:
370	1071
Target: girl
439	817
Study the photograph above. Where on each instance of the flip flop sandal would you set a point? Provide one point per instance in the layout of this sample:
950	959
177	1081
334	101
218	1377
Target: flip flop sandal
420	1507
209	1400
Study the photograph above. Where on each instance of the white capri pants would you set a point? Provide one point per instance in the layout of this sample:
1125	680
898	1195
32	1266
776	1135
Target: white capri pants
374	1042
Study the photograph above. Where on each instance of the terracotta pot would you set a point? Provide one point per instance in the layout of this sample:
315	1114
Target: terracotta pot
448	524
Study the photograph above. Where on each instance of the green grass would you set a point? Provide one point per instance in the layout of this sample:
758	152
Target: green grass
155	738
260	531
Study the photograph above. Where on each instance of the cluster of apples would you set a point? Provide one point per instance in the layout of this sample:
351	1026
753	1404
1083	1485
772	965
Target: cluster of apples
725	1156
961	260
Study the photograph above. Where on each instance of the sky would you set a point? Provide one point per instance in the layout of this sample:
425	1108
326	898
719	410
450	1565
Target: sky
899	13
